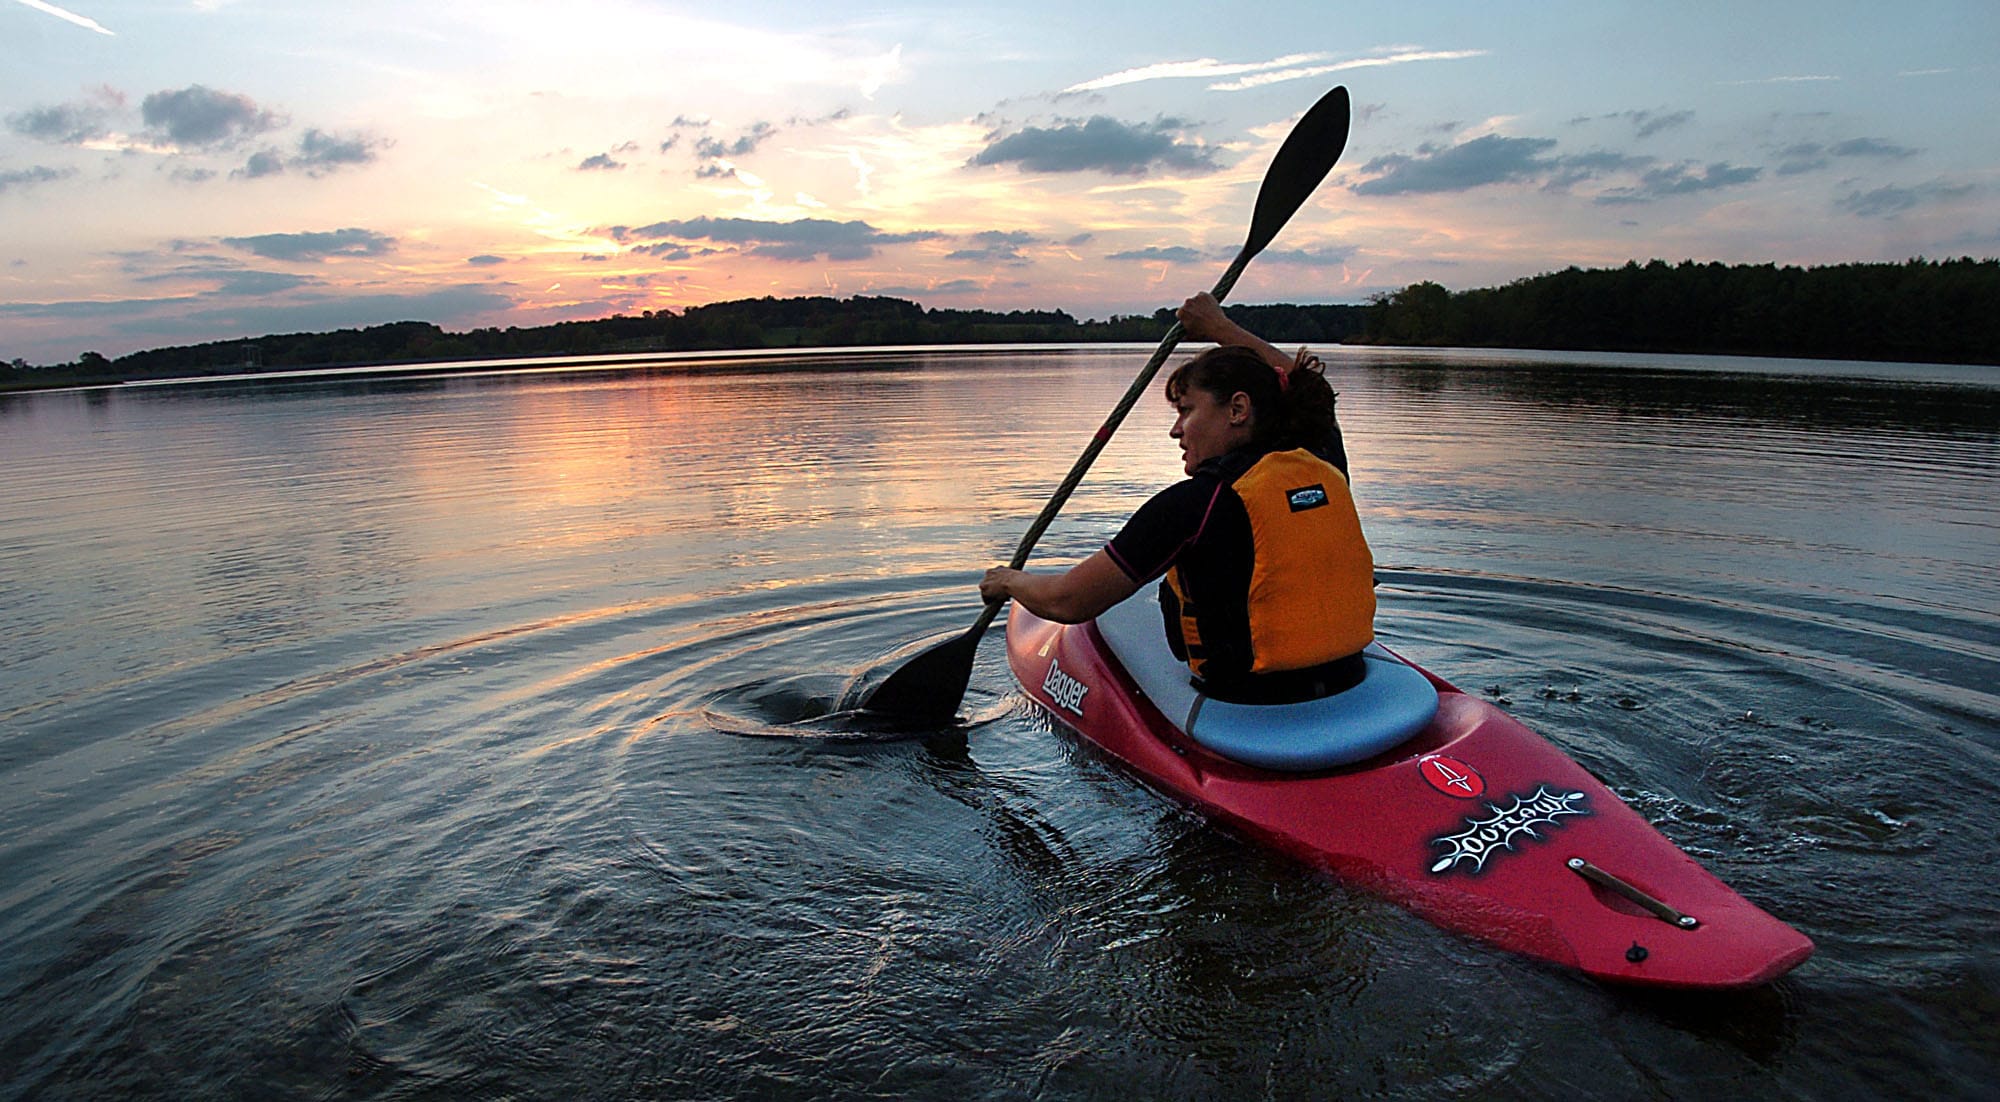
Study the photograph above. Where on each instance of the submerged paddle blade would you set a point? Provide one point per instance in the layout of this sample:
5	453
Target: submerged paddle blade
1302	162
927	689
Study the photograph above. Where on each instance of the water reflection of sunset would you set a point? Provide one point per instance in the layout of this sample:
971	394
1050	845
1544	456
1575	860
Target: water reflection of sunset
609	467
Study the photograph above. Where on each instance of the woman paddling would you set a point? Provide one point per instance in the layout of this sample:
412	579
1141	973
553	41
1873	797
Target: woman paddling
1268	590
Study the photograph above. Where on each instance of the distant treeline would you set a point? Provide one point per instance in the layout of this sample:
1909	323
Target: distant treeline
812	322
1921	310
1926	311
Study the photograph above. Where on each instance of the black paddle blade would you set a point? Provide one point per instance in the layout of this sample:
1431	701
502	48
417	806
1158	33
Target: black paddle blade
1302	162
926	690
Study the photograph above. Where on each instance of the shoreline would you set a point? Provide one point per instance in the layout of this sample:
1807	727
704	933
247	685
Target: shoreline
844	357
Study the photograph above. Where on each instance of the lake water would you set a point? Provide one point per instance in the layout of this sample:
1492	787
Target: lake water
359	738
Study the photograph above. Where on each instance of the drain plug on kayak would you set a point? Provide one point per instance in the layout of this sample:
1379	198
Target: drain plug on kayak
1637	953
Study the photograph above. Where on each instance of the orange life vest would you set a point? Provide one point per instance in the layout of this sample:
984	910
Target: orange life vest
1312	579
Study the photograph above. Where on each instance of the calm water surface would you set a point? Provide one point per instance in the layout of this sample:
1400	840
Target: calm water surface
357	737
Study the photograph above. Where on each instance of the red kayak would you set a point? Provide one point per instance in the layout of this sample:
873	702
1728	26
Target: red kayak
1432	798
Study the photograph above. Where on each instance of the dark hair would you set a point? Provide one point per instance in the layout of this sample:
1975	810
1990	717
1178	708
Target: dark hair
1297	415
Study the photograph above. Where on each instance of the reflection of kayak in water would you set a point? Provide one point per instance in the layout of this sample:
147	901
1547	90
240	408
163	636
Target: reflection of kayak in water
1414	790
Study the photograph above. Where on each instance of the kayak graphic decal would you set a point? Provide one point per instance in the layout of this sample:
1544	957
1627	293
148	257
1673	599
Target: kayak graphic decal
1484	838
1452	777
1065	690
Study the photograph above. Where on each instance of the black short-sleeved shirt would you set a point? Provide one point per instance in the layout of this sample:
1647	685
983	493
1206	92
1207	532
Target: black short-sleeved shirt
1201	527
1189	522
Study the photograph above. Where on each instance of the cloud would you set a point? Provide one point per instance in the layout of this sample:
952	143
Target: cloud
1101	144
1492	159
70	16
196	119
1256	74
156	321
1682	179
230	279
321	152
1311	258
1811	79
314	247
1801	158
485	259
1206	68
29	177
1495	159
1575	168
801	240
1811	156
1176	253
320	313
63	124
672	251
264	162
200	117
1305	72
747	142
86	309
251	283
1645	124
1887	202
713	153
1871	147
879	71
996	247
602	162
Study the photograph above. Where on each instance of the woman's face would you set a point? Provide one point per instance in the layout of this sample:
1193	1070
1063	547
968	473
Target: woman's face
1208	426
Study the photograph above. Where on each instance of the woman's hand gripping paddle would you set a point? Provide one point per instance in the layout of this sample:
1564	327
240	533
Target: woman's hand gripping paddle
927	689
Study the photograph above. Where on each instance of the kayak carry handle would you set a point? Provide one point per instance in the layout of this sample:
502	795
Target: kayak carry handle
1655	907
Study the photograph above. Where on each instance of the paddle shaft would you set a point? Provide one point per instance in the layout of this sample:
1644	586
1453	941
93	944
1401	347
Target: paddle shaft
1103	437
928	687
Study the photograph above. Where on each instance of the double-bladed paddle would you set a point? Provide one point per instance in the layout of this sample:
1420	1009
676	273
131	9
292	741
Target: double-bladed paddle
927	688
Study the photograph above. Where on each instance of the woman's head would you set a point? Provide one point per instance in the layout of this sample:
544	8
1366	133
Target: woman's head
1216	402
1229	396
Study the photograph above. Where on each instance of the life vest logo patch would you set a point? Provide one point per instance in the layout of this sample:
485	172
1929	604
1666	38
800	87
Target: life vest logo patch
1306	497
1065	690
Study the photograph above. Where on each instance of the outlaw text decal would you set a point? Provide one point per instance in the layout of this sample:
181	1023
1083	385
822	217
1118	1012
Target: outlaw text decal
1483	838
1065	690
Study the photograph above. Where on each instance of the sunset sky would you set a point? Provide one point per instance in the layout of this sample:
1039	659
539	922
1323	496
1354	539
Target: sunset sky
176	171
